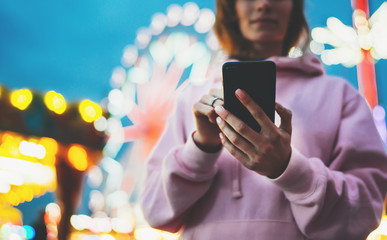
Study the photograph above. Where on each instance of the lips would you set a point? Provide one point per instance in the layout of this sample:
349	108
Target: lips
264	21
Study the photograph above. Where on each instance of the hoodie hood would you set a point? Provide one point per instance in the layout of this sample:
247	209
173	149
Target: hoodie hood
309	65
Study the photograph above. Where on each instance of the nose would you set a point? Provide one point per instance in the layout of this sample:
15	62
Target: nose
262	4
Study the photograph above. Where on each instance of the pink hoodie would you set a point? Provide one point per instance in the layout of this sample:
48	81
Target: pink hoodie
333	187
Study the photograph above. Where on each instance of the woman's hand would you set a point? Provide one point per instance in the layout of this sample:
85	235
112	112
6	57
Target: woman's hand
266	152
207	131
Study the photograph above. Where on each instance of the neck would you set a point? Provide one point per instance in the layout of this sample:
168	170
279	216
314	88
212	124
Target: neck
260	51
264	50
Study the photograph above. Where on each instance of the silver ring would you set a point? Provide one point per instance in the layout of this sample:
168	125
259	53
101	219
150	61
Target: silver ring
214	100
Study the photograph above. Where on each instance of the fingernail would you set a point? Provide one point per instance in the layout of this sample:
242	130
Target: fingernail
219	109
240	93
218	120
221	135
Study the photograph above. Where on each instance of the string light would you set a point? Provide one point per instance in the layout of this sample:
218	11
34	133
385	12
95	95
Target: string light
119	75
190	13
158	23
21	99
129	57
205	21
55	102
89	111
174	15
143	38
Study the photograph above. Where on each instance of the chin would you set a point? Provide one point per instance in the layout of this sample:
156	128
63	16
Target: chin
264	39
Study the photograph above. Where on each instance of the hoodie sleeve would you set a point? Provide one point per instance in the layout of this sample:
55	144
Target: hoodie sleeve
344	199
178	174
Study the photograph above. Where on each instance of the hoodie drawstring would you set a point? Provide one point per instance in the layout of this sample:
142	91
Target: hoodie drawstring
236	180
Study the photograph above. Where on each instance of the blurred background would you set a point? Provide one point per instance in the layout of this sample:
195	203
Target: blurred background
86	87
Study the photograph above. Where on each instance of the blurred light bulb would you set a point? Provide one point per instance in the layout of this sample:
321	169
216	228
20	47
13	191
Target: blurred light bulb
143	38
77	156
130	56
191	12
21	99
100	124
55	102
205	21
89	111
158	23
32	149
174	15
118	77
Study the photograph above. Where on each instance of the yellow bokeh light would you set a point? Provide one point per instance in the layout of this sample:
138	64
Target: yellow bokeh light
27	194
9	215
77	156
9	146
13	198
21	99
50	145
26	171
90	111
1	91
55	102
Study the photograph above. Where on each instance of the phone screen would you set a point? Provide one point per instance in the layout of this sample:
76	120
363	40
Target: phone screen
258	79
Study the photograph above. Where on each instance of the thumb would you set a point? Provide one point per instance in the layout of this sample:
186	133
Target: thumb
286	118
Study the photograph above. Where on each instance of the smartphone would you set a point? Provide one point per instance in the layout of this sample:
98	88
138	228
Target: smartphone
256	78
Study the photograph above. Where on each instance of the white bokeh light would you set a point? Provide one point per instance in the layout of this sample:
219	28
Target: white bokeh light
174	15
191	13
158	23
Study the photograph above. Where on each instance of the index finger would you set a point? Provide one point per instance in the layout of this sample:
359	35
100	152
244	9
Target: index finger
255	110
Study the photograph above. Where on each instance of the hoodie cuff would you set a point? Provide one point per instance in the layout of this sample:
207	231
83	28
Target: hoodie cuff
196	159
298	181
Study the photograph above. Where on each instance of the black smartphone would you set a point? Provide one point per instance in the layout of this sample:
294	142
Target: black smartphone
256	78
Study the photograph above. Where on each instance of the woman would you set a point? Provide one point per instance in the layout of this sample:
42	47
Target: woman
320	174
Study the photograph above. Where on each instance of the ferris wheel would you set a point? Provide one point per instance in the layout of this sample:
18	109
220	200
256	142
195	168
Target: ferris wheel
178	47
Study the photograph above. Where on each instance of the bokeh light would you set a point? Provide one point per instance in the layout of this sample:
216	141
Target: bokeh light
32	149
100	124
158	23
77	156
346	43
55	102
205	21
128	58
89	111
174	15
21	99
30	231
144	35
191	12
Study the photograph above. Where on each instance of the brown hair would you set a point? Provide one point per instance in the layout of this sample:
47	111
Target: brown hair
231	39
